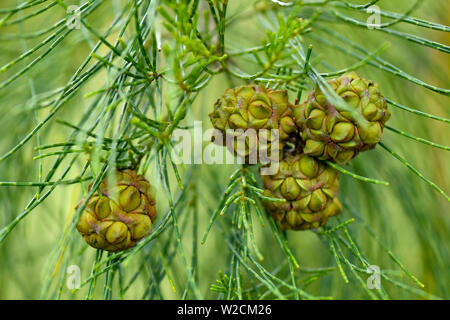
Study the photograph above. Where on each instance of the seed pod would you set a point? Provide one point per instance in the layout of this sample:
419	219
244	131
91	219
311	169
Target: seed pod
330	134
116	218
257	108
310	189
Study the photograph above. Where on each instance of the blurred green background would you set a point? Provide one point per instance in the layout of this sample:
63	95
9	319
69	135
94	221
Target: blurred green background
408	216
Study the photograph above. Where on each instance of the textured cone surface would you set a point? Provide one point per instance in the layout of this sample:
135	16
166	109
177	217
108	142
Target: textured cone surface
310	188
116	218
248	110
329	134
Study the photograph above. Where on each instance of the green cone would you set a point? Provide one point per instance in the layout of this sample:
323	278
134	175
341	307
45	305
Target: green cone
310	188
329	134
253	107
118	224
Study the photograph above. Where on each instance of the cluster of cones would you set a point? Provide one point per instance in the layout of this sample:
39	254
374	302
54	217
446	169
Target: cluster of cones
307	134
121	212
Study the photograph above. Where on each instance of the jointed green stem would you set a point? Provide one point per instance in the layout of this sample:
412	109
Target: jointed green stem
424	141
355	176
415	171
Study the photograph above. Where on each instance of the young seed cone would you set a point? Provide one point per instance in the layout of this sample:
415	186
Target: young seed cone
253	108
310	189
330	134
116	218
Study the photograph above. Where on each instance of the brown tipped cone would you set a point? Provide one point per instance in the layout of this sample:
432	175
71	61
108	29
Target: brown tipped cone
116	218
329	134
310	189
252	111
